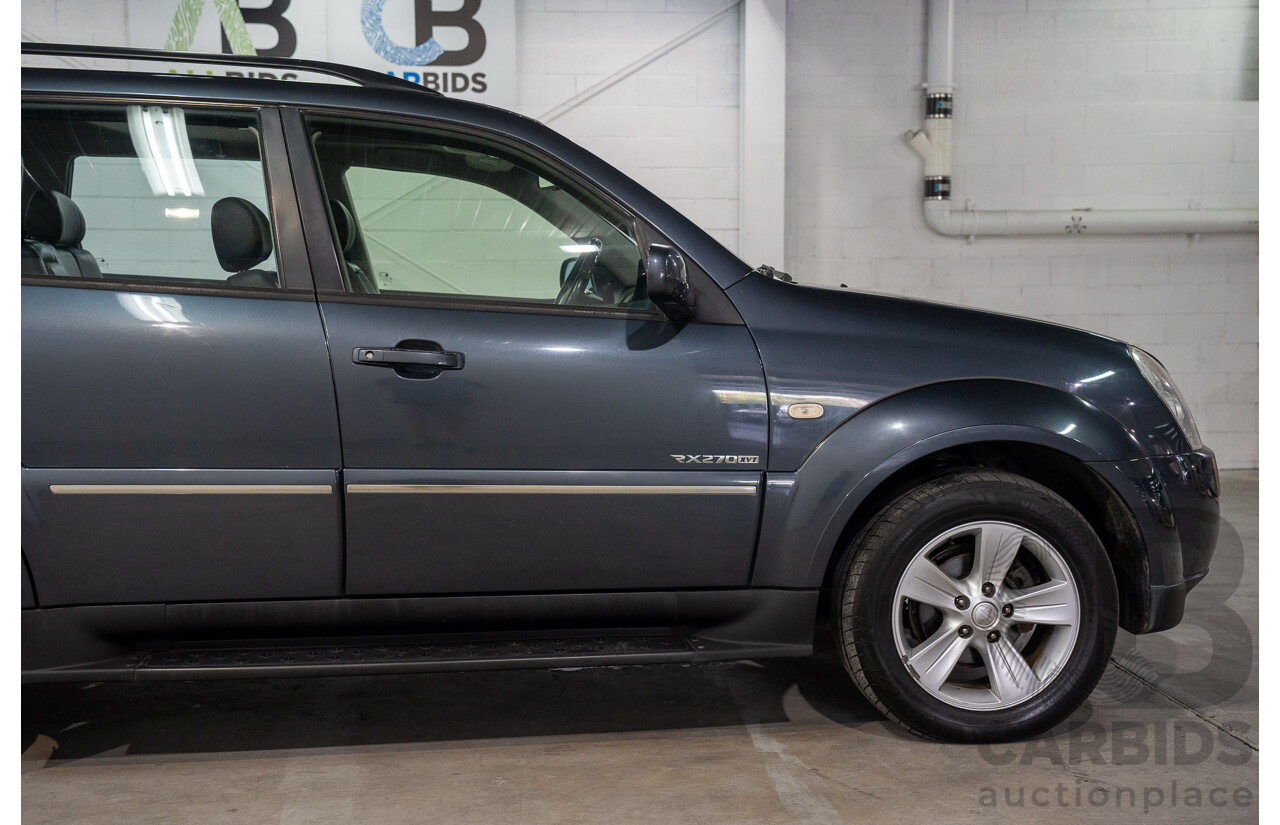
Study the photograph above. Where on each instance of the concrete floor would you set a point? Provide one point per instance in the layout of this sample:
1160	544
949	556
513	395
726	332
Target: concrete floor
786	741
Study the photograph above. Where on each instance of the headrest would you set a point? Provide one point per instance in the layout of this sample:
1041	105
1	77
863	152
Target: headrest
53	218
344	223
241	234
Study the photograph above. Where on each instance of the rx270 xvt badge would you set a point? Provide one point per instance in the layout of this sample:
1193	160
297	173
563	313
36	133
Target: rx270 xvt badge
717	459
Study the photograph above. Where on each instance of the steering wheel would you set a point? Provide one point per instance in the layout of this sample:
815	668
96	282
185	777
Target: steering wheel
580	276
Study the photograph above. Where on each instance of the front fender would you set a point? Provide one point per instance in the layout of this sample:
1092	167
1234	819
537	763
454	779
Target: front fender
806	511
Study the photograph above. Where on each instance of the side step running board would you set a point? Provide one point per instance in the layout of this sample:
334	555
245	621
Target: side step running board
320	637
314	659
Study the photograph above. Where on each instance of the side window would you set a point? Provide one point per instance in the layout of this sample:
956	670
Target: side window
145	192
419	212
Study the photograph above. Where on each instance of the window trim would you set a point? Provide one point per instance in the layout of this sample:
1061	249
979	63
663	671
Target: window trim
481	303
169	287
292	264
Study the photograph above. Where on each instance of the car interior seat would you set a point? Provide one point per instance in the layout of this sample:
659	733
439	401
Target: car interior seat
242	240
52	229
344	225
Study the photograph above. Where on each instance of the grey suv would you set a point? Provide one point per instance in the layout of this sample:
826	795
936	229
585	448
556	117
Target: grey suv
329	379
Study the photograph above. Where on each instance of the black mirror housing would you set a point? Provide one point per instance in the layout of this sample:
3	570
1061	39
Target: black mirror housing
668	283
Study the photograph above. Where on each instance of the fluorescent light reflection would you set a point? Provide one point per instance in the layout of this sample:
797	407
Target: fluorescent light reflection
160	310
579	248
160	139
182	213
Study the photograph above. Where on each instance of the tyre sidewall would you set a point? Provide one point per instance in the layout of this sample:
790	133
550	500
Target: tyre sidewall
874	608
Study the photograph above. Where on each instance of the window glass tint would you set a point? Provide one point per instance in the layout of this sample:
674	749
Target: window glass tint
421	213
145	192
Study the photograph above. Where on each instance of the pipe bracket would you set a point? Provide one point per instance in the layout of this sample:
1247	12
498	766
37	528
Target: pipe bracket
937	188
938	105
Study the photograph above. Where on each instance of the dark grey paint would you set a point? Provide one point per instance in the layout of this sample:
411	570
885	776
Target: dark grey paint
546	392
110	382
899	380
849	350
805	511
28	592
100	549
117	382
1175	502
405	543
76	637
902	379
719	614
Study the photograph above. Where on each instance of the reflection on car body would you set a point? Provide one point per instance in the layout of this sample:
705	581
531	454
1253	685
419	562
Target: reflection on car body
326	379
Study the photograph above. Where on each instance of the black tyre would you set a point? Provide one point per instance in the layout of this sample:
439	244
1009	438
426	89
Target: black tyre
977	607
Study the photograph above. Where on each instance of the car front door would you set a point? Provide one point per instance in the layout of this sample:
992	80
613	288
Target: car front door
515	415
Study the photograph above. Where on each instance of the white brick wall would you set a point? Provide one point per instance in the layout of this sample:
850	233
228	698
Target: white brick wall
75	21
1059	103
673	125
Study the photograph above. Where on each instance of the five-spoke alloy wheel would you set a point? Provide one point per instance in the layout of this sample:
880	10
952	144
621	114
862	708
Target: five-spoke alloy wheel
976	607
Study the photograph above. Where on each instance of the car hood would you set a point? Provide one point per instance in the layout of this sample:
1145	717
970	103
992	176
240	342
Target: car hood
849	350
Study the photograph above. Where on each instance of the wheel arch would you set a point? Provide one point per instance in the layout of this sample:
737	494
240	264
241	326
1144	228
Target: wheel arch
937	430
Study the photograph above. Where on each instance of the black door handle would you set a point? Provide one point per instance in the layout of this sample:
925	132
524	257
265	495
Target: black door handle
408	357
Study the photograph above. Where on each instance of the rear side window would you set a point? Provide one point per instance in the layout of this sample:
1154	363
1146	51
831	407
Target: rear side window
145	192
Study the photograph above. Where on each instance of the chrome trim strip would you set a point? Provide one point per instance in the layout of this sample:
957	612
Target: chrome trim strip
191	489
562	489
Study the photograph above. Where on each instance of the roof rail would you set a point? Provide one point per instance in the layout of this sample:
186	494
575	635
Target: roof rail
363	77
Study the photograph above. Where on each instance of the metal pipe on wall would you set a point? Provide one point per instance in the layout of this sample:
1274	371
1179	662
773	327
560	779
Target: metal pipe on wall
933	144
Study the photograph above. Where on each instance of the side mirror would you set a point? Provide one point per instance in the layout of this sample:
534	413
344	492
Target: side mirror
668	284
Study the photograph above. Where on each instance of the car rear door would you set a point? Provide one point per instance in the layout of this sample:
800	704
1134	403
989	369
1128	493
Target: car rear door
515	416
180	438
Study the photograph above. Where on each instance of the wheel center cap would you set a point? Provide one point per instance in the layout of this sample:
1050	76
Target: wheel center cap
985	615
